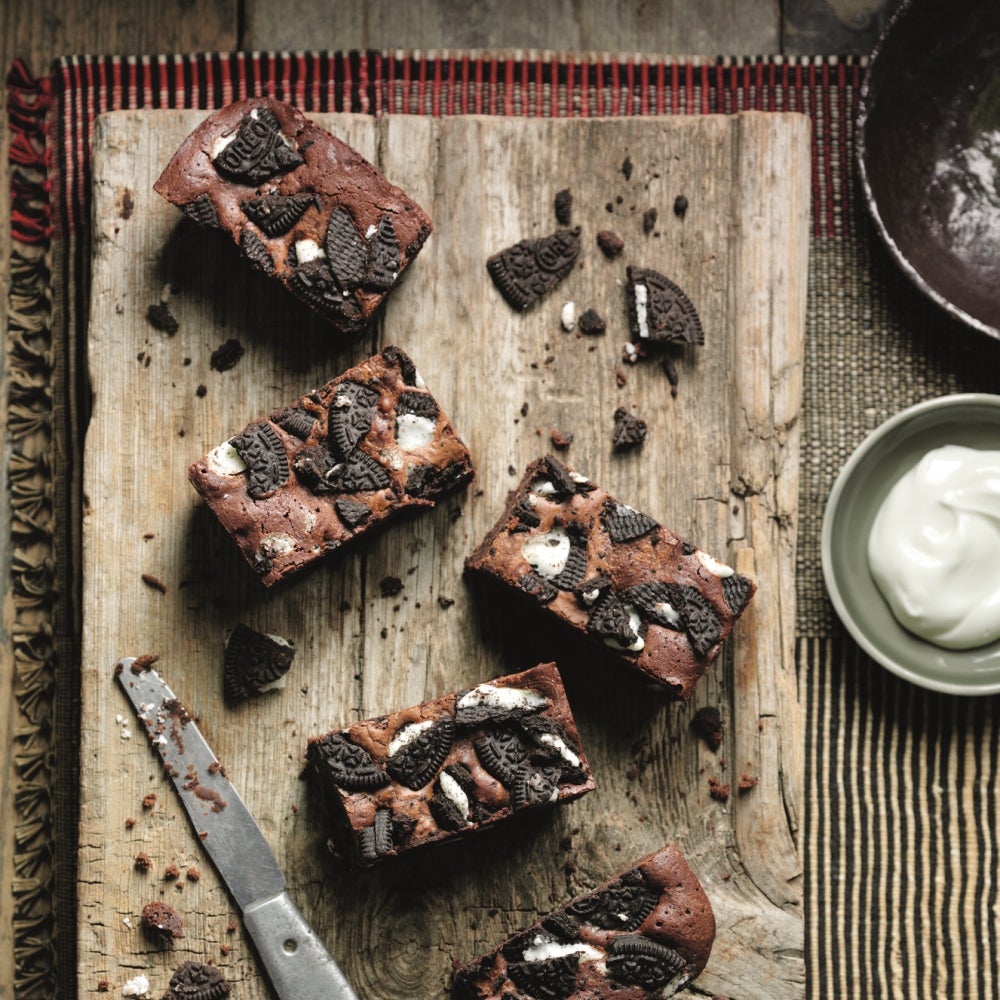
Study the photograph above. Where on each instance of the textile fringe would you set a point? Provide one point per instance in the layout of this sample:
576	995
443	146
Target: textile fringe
29	429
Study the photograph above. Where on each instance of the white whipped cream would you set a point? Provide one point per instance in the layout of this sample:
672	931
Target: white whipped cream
934	548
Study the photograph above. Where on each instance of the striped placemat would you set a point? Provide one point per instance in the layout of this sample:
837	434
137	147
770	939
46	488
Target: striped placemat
899	840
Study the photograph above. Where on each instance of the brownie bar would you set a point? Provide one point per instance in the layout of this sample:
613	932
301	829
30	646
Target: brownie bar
443	769
296	485
646	933
301	205
654	600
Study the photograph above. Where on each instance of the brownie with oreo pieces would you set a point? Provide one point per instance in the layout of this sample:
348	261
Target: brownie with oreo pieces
650	599
450	766
302	206
645	933
300	483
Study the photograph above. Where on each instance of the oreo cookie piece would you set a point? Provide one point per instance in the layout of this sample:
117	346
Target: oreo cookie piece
418	750
202	211
645	933
352	410
538	587
255	250
315	284
737	591
546	979
346	250
258	151
702	624
417	404
346	764
376	841
267	462
624	523
530	269
635	960
563	204
359	473
254	662
197	981
572	574
659	312
629	430
383	257
352	512
453	765
611	621
297	421
653	602
275	214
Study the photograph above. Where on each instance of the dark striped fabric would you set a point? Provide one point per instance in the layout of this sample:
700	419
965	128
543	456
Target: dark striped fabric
899	841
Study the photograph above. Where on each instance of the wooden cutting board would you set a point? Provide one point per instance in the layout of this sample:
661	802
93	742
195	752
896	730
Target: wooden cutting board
719	466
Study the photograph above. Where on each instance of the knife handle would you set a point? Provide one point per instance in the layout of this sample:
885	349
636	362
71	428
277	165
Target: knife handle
297	963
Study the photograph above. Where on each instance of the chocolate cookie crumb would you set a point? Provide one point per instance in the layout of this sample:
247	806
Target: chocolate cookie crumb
163	920
192	874
680	206
171	872
718	790
201	391
152	581
445	602
129	823
629	431
610	242
226	355
390	586
564	207
161	318
707	723
197	981
747	781
561	439
627	168
649	220
143	862
592	323
143	662
149	800
670	370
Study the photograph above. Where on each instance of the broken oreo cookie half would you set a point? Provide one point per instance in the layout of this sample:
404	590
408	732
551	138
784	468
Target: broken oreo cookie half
254	662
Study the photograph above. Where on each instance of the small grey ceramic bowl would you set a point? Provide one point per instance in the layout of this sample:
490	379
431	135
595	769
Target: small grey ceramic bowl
928	148
880	460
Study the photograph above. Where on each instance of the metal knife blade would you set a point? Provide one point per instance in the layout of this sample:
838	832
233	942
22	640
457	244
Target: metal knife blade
297	963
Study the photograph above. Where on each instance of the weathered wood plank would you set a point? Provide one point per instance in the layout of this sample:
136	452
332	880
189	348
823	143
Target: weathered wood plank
719	466
669	26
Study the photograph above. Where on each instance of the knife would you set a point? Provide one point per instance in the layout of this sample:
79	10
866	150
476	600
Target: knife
297	963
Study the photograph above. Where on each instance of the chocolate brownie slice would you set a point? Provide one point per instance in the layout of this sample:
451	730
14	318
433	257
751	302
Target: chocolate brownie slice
450	766
650	598
298	484
646	933
301	205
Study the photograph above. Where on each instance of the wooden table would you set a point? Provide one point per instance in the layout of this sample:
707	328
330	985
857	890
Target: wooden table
41	32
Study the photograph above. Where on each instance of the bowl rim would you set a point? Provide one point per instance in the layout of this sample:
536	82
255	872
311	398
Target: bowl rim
860	156
840	485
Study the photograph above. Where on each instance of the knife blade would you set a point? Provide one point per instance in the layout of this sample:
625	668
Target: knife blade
296	961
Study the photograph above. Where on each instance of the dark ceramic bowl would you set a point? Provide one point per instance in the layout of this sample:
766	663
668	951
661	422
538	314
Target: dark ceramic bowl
928	146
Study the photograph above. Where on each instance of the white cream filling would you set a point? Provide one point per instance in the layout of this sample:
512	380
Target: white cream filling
220	144
454	792
307	251
225	460
543	488
666	610
491	696
542	950
277	544
568	316
371	231
714	567
414	431
559	745
136	987
641	313
407	734
548	552
634	623
275	685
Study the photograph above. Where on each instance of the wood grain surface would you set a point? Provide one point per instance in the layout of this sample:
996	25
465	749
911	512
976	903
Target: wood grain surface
719	466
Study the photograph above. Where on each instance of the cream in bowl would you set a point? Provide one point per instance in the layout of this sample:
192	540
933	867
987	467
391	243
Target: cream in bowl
936	550
934	547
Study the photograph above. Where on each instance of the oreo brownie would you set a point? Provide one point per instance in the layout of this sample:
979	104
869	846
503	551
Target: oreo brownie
445	768
301	205
650	598
646	933
298	484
